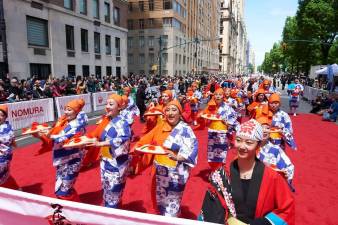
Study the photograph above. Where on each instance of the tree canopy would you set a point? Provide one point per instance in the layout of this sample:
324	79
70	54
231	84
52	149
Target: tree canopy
310	37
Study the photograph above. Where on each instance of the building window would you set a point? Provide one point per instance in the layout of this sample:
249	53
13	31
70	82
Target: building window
141	6
167	4
85	70
68	4
130	6
98	71
141	41
84	40
167	21
165	57
108	45
83	7
151	5
130	59
130	24
70	37
151	58
141	23
97	45
142	61
150	23
164	40
108	71
96	9
107	12
151	41
41	70
116	16
71	71
118	72
117	46
37	31
130	42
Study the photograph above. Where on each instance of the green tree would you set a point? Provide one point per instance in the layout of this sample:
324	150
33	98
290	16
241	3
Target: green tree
317	21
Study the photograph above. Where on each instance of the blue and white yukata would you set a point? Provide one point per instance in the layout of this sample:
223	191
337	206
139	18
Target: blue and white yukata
195	106
271	90
294	96
271	154
282	120
232	103
114	165
6	140
218	140
171	181
130	111
68	161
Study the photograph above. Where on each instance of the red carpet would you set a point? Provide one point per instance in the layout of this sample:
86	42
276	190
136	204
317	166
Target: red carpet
316	178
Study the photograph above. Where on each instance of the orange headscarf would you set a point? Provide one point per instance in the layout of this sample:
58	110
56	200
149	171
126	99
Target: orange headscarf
274	98
125	100
219	91
117	98
175	103
76	104
169	93
264	120
4	109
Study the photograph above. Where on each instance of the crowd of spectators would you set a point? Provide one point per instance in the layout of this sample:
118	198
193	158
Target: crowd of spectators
13	89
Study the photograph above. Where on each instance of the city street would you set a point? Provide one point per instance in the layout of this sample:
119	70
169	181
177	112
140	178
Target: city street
315	156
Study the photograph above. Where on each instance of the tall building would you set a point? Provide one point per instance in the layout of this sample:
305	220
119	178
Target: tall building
185	31
64	37
234	39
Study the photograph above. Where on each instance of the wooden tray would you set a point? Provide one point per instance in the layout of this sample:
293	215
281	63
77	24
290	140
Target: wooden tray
211	117
35	129
152	149
79	141
156	113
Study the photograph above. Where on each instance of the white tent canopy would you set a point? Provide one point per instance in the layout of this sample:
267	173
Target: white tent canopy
325	70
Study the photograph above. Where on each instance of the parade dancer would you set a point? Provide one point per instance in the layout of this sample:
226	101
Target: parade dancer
113	135
219	132
131	106
232	102
260	105
273	155
6	150
152	121
250	193
197	95
67	161
294	97
267	87
171	172
281	120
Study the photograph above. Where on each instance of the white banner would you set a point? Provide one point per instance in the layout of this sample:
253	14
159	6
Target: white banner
61	102
100	99
23	114
18	207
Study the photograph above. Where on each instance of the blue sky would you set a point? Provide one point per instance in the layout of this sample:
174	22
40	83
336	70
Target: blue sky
265	21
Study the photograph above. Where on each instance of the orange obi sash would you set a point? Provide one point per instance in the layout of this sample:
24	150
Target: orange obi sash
164	160
105	152
218	125
275	135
